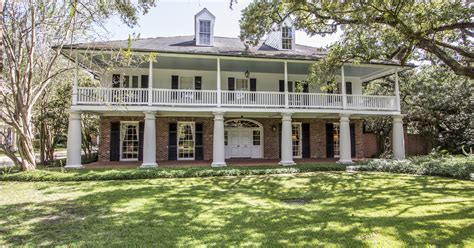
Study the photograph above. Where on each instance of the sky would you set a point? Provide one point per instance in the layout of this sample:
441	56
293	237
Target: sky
174	18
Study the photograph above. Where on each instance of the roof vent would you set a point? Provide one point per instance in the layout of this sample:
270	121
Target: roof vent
204	28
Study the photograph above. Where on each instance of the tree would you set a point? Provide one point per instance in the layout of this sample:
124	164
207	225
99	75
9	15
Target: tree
30	28
386	30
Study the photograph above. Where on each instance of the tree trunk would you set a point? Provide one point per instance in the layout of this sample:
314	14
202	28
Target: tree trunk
27	153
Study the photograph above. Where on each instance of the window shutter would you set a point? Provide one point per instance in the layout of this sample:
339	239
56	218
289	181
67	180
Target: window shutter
231	87
290	86
306	143
253	87
329	140
329	90
174	86
349	88
281	88
172	147
198	86
199	155
114	141
144	81
353	141
141	127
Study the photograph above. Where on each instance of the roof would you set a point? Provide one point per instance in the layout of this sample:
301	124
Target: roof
223	46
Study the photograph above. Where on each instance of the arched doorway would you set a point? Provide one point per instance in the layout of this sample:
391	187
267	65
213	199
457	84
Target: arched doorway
243	138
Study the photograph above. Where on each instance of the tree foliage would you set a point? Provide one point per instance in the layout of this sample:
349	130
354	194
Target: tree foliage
373	30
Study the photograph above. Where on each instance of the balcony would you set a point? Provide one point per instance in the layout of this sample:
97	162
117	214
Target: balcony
231	99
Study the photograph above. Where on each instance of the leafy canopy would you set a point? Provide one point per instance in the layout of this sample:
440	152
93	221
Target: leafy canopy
373	30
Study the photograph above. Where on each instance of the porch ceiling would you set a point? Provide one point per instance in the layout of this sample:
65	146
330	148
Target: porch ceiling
94	62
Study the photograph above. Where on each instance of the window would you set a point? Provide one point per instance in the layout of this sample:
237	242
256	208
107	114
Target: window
296	139
336	140
125	81
204	32
186	83
129	138
116	80
242	84
286	38
186	140
256	137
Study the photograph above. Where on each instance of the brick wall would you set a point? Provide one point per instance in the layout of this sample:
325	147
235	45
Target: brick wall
271	138
414	145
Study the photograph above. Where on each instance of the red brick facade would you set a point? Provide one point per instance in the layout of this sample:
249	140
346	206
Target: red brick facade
270	134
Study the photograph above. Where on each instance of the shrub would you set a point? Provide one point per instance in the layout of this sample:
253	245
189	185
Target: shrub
433	165
54	174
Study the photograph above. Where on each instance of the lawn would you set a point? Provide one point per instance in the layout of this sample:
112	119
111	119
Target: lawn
308	209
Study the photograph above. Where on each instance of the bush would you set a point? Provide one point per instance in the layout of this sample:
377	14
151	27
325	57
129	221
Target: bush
54	174
435	164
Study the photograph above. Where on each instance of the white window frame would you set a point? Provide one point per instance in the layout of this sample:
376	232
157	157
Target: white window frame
130	76
192	83
247	84
193	124
122	123
300	141
288	38
202	33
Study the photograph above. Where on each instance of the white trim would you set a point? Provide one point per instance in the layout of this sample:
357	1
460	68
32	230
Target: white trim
194	140
260	128
300	145
137	123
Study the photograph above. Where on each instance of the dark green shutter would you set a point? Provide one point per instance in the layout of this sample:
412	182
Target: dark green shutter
144	86
253	87
174	86
329	140
198	86
172	136
114	141
306	153
116	81
353	141
281	88
141	128
231	87
199	142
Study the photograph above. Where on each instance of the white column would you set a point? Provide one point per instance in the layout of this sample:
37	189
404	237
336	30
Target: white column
397	91
74	83
398	138
286	141
344	140
150	83
218	151
287	98
343	88
149	141
73	159
218	81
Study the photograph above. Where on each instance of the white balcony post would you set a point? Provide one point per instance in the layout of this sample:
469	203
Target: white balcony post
218	81
149	141
74	83
397	91
218	151
398	138
150	83
287	98
286	141
343	88
344	140
73	156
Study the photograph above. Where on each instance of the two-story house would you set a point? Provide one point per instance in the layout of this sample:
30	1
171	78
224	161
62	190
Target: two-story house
205	97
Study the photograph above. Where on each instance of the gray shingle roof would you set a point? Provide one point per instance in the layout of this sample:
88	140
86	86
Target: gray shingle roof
223	46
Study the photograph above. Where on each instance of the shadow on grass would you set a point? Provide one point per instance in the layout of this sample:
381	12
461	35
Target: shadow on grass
367	209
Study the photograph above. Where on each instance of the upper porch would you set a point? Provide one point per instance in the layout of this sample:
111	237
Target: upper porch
228	82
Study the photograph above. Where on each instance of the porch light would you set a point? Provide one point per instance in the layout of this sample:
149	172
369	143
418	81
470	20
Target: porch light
247	73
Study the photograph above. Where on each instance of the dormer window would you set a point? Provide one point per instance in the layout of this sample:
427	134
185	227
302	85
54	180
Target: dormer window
286	38
204	32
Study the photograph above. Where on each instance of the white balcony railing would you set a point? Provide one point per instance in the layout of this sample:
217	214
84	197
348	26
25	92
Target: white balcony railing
184	97
363	102
315	100
229	99
253	99
95	95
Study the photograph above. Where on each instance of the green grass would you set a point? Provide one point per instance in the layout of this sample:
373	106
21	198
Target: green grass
355	210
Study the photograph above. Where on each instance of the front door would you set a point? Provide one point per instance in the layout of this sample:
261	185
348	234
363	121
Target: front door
240	143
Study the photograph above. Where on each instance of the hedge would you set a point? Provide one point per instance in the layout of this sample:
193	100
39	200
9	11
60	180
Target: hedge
127	174
459	167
